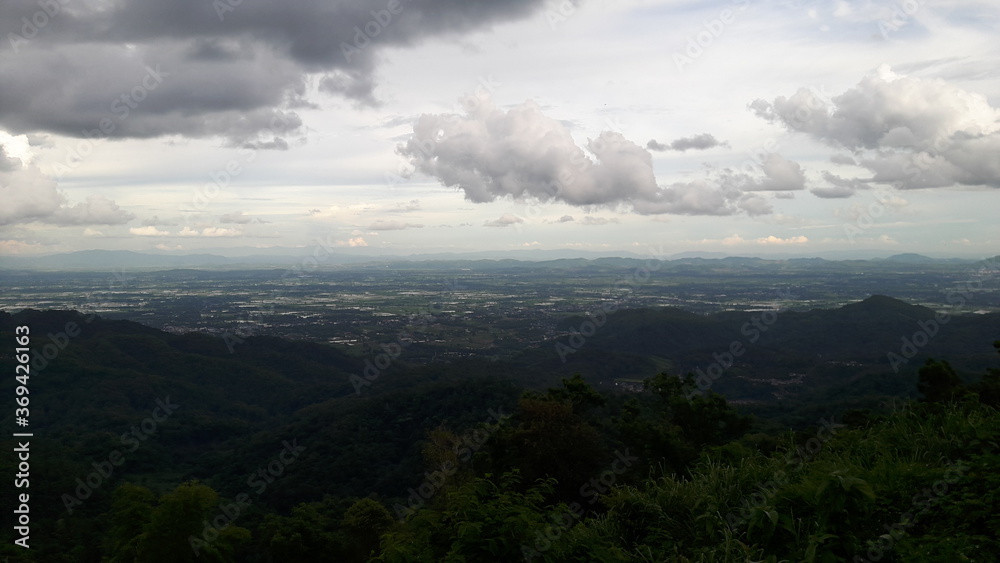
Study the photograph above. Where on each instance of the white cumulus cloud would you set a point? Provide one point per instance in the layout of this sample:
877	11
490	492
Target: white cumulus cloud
521	153
505	220
908	132
149	231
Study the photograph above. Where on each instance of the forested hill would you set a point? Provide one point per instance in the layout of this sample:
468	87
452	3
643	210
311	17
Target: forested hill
779	354
803	351
865	330
183	416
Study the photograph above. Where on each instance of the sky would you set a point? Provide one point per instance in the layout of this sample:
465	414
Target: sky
424	126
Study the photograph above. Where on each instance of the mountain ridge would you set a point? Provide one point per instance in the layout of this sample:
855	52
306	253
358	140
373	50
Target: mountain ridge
116	259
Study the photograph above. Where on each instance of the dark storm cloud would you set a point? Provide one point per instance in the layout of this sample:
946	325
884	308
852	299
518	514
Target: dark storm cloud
104	91
201	68
843	159
697	142
653	145
833	192
839	187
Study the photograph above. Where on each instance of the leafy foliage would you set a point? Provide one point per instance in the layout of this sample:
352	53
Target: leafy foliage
574	474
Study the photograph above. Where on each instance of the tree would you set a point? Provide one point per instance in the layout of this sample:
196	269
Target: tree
938	382
705	419
311	533
677	424
549	440
989	387
184	526
578	393
365	522
488	519
131	507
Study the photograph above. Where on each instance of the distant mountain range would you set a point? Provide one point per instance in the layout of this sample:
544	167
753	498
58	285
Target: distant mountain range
116	259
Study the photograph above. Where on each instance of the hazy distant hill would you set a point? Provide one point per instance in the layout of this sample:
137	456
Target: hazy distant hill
287	257
117	259
913	258
110	259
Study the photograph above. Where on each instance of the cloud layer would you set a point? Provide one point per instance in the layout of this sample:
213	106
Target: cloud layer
199	68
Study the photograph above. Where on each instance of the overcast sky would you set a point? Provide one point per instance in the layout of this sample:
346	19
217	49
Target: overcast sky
411	126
